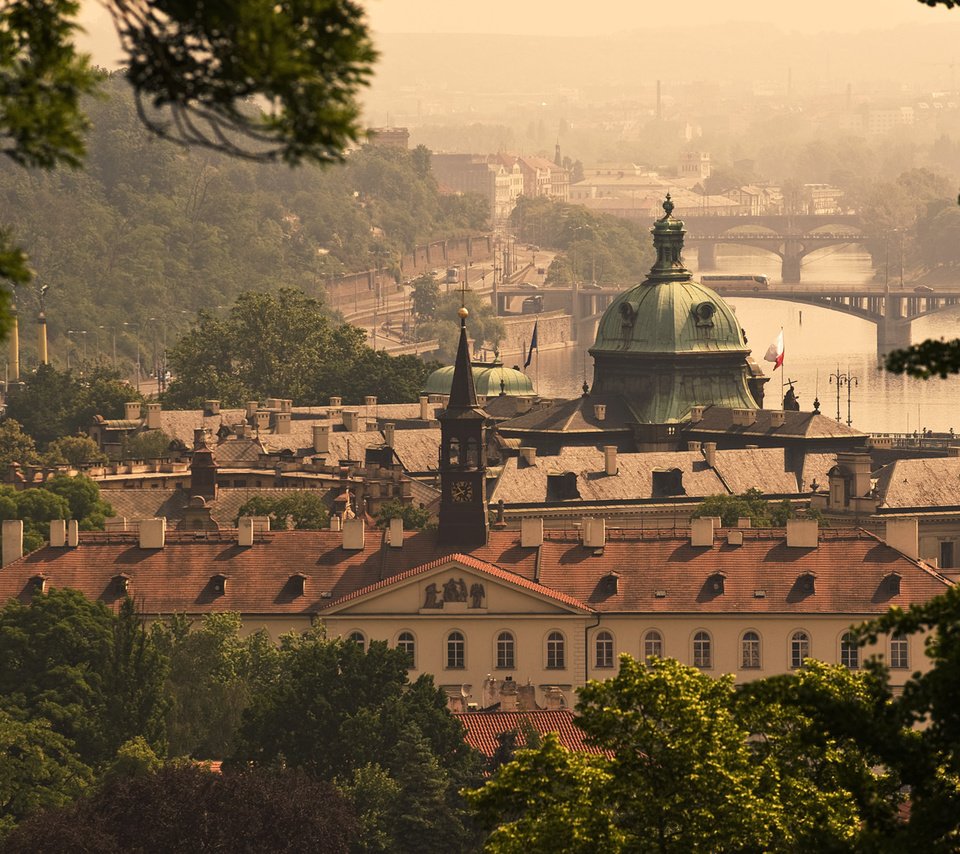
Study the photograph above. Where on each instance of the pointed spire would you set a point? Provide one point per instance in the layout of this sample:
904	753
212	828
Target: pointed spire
463	393
668	241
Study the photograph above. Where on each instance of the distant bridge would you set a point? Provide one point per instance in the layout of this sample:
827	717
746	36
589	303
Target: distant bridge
790	237
892	311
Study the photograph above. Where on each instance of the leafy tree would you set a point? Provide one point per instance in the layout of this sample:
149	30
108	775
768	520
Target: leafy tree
51	403
89	672
485	326
15	445
37	508
751	505
549	799
336	708
301	510
74	451
414	518
284	345
147	445
83	497
184	807
425	298
38	769
214	674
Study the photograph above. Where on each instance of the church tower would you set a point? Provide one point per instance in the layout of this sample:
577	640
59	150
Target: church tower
463	456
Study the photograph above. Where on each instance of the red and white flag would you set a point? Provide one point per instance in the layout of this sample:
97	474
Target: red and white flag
775	352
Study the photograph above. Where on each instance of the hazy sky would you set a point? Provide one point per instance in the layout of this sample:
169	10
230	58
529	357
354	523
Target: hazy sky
564	17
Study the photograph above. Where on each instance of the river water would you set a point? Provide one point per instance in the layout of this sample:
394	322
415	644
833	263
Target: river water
818	342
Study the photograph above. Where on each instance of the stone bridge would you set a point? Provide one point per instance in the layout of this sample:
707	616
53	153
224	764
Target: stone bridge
789	237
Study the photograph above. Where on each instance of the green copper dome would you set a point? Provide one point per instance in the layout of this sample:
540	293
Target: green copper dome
487	377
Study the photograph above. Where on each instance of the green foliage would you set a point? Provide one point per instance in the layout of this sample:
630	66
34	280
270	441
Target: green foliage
147	445
600	248
484	325
414	518
283	345
83	497
38	769
214	673
72	450
549	799
37	508
927	359
51	403
425	298
336	708
183	807
751	505
92	674
15	445
135	758
301	510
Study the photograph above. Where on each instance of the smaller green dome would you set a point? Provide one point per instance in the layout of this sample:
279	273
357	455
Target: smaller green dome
487	377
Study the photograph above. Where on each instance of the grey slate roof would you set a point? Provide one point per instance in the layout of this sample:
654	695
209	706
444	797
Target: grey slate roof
920	483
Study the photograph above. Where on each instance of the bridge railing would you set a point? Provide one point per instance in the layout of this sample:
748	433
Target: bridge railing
928	441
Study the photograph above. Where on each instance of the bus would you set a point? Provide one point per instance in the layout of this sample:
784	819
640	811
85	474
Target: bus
453	275
735	281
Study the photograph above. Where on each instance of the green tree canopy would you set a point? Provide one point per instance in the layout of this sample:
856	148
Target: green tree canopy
414	518
15	445
74	451
750	505
301	510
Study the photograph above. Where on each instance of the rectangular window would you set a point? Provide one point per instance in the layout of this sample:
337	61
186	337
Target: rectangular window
946	555
555	658
899	653
505	656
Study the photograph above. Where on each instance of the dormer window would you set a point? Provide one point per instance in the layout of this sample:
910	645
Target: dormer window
39	584
121	584
716	583
890	583
218	584
807	583
612	583
297	583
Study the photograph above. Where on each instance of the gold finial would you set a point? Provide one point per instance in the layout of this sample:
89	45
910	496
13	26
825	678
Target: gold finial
462	311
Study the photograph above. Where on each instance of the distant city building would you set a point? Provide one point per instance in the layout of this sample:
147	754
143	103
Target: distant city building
389	137
694	164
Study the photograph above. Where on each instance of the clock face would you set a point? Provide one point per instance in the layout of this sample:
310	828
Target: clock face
461	491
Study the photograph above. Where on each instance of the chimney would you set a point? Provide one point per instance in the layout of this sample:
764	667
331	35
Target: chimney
336	402
701	532
695	446
901	534
131	411
696	414
388	431
531	532
245	531
489	692
353	530
58	533
351	420
281	423
802	533
115	524
777	418
153	533
508	695
153	416
273	403
600	411
527	697
321	438
262	420
286	405
594	533
744	417
252	407
73	533
370	401
529	456
735	537
553	699
744	522
12	532
211	407
395	534
336	523
426	413
610	459
710	453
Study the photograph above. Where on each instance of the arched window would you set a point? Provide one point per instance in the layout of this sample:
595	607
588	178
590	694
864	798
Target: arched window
702	651
799	648
453	452
604	649
506	651
849	651
899	652
556	659
750	651
407	645
473	453
653	644
456	651
358	639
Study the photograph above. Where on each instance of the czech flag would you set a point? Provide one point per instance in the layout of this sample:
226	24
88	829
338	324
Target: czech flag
533	346
775	352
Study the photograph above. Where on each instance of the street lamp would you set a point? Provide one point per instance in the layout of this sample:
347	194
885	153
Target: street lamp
136	327
840	380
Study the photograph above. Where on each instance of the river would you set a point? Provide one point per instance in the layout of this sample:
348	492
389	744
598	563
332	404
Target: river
817	343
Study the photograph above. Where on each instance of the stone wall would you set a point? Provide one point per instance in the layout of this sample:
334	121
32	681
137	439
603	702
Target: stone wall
553	332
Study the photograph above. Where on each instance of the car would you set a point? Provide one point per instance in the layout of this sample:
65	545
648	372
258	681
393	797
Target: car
923	289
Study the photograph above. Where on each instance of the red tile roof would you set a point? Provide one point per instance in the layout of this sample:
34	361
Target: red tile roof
483	728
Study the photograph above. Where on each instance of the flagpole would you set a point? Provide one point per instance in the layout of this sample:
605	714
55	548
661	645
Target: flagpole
783	371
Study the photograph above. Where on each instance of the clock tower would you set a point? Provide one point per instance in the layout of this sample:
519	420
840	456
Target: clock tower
463	456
